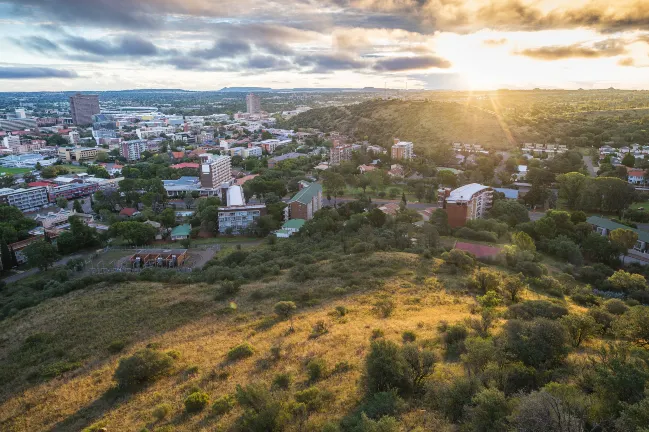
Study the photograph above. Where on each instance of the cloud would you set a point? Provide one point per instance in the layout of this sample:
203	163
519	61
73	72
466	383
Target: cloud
608	48
36	43
627	61
329	62
123	46
30	72
268	62
494	42
223	48
398	64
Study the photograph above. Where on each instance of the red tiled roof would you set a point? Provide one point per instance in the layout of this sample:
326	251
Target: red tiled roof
178	155
185	165
128	211
477	249
635	173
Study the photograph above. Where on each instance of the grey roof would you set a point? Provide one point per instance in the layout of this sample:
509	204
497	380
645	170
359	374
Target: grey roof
509	193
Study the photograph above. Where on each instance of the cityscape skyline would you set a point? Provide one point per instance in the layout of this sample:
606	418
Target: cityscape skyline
427	44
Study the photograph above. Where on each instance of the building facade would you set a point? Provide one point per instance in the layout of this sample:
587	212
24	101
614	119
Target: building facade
79	154
25	200
83	107
253	104
237	216
466	203
215	171
339	153
305	203
132	150
402	150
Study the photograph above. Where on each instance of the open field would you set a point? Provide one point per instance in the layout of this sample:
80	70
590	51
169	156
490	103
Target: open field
14	171
75	168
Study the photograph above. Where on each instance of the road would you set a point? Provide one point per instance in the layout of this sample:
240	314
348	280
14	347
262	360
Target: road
588	160
32	271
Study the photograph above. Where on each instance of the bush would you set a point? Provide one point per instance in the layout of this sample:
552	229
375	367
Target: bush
312	397
408	336
341	310
240	352
262	411
196	402
223	405
453	338
316	369
318	329
450	398
143	367
530	269
385	307
531	309
116	346
549	285
459	259
615	306
537	343
162	411
282	380
377	334
602	318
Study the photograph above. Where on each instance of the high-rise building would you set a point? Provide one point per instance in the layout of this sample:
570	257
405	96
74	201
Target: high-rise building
401	150
253	104
132	150
237	216
20	113
26	200
215	171
83	107
340	152
465	203
306	202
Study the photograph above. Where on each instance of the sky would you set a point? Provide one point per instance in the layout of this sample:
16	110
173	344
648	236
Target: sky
54	45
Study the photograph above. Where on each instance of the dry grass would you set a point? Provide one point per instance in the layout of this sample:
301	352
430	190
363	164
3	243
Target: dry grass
186	318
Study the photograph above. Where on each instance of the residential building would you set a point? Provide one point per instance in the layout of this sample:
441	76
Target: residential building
20	113
277	159
129	212
289	228
251	152
236	217
25	200
83	107
253	104
182	165
215	171
182	186
468	202
12	124
270	145
73	190
305	203
366	168
26	161
132	150
79	154
60	219
339	153
640	251
181	232
401	150
10	141
636	176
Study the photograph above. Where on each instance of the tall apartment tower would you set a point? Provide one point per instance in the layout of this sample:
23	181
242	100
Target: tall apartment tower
253	104
83	107
215	171
401	150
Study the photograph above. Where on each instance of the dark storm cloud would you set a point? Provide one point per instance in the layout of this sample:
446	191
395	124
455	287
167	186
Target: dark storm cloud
398	64
608	48
24	72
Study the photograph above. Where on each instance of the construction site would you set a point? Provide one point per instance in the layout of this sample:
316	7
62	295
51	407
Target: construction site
165	258
136	260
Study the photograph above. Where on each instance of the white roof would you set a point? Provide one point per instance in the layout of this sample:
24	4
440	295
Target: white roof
235	196
466	192
522	168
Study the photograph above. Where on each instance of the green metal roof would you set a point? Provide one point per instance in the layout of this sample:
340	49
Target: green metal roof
294	223
306	195
181	230
610	225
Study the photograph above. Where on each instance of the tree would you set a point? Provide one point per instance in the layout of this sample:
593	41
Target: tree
570	187
62	202
634	326
509	211
285	310
41	253
513	286
29	178
556	408
447	178
376	217
439	219
136	233
485	280
7	181
580	327
334	184
537	343
624	239
627	282
143	367
167	218
628	160
7	263
77	206
489	410
385	367
523	241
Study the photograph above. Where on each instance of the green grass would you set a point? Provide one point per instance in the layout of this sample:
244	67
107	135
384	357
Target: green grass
75	168
14	171
644	204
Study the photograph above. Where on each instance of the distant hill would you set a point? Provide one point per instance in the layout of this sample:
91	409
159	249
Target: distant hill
425	123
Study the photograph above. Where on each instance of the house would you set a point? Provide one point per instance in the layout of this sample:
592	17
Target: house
636	176
366	168
129	212
467	202
305	203
181	232
639	252
158	228
390	209
396	170
191	165
290	227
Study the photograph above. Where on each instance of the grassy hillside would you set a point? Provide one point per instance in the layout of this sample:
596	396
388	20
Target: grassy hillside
427	123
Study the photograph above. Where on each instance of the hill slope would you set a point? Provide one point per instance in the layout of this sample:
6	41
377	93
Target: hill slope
426	123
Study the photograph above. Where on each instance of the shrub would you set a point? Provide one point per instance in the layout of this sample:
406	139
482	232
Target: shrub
223	405
143	367
455	334
385	307
282	380
262	411
615	306
312	397
318	329
530	269
240	352
408	336
196	402
537	343
341	367
450	398
549	285
489	411
377	334
531	309
162	411
316	369
116	346
459	259
341	310
602	318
